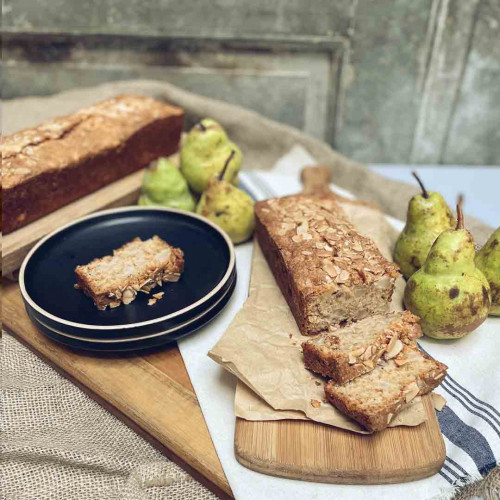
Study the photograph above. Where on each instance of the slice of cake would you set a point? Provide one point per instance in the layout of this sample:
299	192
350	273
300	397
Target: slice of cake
373	399
137	266
346	353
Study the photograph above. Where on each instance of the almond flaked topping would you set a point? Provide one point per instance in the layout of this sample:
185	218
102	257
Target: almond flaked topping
352	359
392	340
367	353
307	236
303	228
411	391
358	351
331	269
306	252
342	277
394	350
439	375
151	302
315	403
158	295
128	295
297	238
357	246
400	361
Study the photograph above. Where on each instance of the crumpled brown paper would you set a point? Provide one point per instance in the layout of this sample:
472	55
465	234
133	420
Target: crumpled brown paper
262	345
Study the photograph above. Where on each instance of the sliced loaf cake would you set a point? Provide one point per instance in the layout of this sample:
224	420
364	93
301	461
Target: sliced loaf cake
373	399
347	353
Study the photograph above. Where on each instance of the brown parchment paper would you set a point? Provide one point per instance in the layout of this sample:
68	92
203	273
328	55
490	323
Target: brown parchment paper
262	345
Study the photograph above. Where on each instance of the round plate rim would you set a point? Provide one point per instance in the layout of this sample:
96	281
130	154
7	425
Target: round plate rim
222	282
145	337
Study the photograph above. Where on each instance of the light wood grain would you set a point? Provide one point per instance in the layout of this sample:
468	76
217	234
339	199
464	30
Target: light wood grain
150	392
17	244
315	452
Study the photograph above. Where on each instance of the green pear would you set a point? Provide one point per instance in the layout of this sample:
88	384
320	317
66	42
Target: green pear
164	185
488	261
449	293
229	207
204	152
428	216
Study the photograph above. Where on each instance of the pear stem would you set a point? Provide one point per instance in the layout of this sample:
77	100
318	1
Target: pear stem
421	184
460	214
203	128
230	157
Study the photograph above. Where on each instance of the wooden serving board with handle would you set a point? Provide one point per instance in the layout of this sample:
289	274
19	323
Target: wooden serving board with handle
311	451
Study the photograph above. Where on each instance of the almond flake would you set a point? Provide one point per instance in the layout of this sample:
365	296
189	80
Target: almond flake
303	228
401	361
297	238
343	277
331	269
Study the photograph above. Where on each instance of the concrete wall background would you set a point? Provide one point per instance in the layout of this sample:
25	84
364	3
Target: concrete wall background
387	81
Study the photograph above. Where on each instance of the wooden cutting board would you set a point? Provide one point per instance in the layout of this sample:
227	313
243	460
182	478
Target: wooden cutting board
150	392
315	452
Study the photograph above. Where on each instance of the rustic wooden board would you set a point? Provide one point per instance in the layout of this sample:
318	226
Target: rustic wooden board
150	392
17	244
315	452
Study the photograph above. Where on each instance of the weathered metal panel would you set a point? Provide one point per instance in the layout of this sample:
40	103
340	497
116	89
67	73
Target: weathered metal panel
381	98
474	134
454	26
195	18
383	81
290	87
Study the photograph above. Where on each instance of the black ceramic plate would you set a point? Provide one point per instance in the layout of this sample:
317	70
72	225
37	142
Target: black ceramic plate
47	274
139	335
139	344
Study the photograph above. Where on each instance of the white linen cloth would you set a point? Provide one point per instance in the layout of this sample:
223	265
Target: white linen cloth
470	422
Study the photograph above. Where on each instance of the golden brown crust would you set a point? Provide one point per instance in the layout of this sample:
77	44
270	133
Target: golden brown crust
45	167
313	249
137	266
367	341
374	407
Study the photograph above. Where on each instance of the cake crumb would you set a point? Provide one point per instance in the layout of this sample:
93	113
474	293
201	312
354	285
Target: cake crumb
317	382
315	403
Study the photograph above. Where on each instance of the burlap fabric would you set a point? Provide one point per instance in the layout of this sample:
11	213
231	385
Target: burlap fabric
57	443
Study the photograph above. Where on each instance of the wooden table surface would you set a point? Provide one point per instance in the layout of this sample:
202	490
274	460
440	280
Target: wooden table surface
150	392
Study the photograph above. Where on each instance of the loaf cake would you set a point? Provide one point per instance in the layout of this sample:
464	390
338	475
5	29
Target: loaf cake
328	273
373	399
137	266
46	167
346	353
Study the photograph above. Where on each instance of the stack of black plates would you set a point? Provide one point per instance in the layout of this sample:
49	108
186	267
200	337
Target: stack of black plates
68	316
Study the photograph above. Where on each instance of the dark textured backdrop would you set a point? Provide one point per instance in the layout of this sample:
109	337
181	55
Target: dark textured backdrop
394	81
